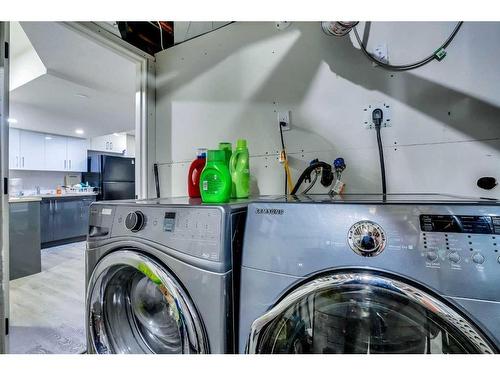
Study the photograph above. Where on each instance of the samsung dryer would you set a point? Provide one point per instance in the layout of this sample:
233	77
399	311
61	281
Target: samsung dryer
371	274
161	276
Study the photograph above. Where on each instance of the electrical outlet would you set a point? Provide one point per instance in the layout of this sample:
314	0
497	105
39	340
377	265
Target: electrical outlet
381	53
367	115
284	117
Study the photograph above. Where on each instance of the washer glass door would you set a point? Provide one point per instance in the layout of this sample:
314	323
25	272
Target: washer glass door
134	305
363	313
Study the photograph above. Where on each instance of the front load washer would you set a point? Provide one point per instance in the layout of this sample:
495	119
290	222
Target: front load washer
161	276
371	274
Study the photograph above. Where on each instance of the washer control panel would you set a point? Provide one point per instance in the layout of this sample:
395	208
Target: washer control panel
195	231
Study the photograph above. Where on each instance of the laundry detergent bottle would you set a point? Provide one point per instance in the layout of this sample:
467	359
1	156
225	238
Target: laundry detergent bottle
194	174
215	182
239	166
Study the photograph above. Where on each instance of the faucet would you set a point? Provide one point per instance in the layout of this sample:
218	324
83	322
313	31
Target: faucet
37	190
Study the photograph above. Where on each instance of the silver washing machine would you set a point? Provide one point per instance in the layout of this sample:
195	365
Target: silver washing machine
160	276
364	274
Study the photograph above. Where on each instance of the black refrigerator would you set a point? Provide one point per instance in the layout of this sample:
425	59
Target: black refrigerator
113	175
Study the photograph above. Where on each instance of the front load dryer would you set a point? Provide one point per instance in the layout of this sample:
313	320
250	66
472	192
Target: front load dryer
371	274
162	275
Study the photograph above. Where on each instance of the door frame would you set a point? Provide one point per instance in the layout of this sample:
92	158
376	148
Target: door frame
4	170
145	115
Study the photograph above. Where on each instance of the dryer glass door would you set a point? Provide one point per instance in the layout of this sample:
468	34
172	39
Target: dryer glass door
136	306
363	313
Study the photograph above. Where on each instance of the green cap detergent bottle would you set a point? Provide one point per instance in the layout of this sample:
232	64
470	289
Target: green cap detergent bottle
215	181
239	166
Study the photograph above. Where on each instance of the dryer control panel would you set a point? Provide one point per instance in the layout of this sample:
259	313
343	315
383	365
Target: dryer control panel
453	248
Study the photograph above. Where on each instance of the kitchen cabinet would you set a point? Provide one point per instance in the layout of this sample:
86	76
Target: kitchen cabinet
24	238
40	151
77	154
14	149
26	149
55	153
64	219
110	143
32	149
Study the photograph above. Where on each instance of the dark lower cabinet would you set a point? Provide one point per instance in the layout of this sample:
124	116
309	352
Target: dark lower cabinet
24	239
64	219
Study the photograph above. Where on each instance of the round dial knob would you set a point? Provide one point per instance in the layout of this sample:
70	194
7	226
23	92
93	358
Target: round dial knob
478	258
454	257
432	256
367	238
135	221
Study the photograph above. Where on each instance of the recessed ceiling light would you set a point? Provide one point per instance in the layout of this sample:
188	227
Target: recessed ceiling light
80	95
11	120
48	138
79	131
116	134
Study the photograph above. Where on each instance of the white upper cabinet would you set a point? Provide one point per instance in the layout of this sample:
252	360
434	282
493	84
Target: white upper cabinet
14	150
77	154
116	143
32	150
46	152
55	153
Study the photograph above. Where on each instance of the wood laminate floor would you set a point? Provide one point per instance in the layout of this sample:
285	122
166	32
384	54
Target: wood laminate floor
47	310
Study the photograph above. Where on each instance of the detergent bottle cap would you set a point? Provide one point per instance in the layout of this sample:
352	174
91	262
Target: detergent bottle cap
241	143
225	146
216	155
202	153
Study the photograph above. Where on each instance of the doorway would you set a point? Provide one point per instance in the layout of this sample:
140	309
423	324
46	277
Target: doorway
80	92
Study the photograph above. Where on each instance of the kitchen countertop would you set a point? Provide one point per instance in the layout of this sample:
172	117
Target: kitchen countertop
24	199
64	195
38	198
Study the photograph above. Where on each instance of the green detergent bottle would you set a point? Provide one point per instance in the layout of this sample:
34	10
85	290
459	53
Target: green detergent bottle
215	181
239	166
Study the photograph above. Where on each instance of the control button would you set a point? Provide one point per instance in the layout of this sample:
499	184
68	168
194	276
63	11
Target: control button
432	256
478	258
454	257
498	259
135	221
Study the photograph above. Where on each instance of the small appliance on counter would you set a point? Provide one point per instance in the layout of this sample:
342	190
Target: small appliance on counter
114	176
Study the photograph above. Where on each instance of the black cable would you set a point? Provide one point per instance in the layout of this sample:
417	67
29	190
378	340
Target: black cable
283	150
326	179
157	179
381	155
413	65
377	117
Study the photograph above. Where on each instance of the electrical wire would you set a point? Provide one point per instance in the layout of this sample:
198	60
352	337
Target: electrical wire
288	177
417	64
161	35
381	156
313	182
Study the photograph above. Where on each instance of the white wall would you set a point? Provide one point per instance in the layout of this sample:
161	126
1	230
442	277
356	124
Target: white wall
228	84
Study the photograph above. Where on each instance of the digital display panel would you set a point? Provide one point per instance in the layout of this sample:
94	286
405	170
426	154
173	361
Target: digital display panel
456	224
169	222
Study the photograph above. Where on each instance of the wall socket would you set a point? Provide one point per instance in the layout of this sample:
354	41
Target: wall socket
284	117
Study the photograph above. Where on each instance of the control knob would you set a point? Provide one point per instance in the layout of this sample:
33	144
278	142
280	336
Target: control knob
454	257
432	256
367	238
478	258
135	221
